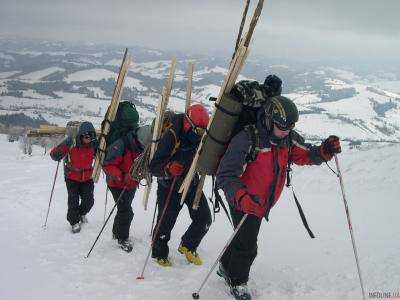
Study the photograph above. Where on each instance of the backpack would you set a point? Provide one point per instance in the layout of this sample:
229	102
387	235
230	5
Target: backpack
126	119
168	126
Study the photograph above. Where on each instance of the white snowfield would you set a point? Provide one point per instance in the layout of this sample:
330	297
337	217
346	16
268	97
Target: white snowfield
99	74
91	74
50	264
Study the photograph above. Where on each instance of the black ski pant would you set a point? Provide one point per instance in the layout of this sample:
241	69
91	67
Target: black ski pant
201	218
124	216
77	189
242	251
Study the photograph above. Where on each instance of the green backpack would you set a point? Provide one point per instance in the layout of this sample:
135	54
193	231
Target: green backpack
126	119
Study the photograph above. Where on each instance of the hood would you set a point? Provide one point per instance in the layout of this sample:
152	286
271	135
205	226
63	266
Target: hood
83	128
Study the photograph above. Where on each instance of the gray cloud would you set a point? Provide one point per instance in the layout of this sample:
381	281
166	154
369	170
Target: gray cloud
303	28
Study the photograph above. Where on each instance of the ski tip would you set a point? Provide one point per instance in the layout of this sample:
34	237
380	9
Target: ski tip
195	296
140	278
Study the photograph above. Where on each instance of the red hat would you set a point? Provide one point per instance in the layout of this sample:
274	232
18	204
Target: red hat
198	116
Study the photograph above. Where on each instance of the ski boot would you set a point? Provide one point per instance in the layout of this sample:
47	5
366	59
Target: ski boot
240	292
83	219
163	262
221	272
191	256
125	245
76	228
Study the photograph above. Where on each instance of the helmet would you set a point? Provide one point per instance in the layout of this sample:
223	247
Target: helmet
273	85
283	114
196	117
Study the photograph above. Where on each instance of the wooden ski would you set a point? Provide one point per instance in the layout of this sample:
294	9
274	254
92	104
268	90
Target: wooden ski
189	85
110	116
239	37
161	108
235	67
49	131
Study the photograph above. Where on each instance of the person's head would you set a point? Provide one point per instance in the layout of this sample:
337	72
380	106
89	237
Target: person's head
86	133
196	120
282	117
273	85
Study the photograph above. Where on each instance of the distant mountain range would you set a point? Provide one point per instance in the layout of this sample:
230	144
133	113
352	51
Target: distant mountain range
58	82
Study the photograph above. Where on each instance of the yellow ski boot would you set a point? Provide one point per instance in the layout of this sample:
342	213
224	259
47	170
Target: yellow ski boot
164	262
191	256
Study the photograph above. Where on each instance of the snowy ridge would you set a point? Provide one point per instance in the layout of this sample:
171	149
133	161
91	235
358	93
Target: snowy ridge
36	76
354	105
50	264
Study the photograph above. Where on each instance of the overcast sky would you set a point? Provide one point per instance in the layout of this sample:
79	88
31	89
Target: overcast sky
294	29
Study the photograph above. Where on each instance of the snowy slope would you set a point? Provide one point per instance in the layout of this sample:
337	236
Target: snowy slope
91	74
50	264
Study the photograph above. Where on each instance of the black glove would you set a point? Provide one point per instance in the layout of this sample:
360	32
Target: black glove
56	155
330	147
273	85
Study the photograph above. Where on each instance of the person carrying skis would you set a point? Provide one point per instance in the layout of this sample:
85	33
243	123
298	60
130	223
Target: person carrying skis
175	152
253	182
78	153
117	165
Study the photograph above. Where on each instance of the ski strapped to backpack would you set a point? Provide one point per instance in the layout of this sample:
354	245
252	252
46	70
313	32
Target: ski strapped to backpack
201	162
110	116
161	108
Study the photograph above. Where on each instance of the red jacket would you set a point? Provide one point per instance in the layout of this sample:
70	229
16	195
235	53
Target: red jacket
119	160
267	172
78	158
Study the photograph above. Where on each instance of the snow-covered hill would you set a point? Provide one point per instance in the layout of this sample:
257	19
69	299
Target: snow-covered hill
46	78
50	264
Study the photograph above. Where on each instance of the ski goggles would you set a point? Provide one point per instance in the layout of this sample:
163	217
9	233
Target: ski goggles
284	127
87	135
196	129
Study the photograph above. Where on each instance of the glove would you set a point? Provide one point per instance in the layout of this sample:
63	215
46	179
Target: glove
174	168
56	154
248	204
330	147
273	85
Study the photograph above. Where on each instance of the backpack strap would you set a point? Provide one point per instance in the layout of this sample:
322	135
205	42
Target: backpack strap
168	126
289	184
254	136
177	144
218	201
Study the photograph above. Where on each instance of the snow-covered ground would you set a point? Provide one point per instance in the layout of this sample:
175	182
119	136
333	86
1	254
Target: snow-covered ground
50	264
91	74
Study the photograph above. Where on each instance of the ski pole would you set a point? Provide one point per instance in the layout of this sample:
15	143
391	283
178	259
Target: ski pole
350	225
105	223
196	295
155	233
51	194
105	206
154	217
